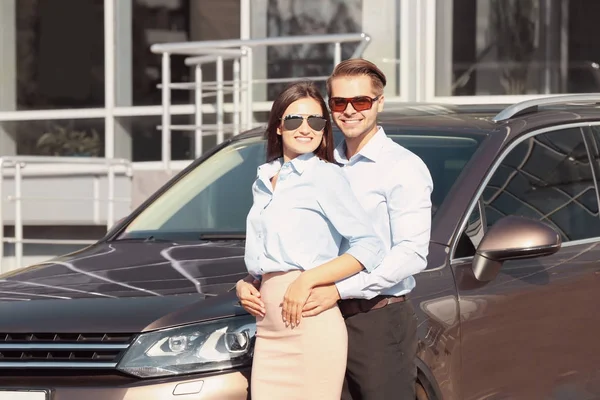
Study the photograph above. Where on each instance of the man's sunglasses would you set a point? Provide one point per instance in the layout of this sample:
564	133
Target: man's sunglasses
294	121
359	103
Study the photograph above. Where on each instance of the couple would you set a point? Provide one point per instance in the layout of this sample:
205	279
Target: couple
334	238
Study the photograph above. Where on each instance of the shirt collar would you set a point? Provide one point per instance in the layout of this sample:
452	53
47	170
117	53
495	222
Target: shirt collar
302	161
299	164
270	169
371	150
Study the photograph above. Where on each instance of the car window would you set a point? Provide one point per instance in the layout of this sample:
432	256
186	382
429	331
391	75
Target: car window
547	177
215	197
445	157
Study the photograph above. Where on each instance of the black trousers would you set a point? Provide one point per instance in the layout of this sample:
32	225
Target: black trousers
382	346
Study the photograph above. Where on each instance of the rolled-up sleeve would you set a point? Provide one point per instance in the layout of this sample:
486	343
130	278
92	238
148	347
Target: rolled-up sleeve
409	207
340	205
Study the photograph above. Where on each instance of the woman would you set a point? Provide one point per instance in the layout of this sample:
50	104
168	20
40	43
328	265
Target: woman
303	208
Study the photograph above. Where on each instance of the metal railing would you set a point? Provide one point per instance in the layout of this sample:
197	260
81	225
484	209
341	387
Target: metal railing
198	55
16	166
241	52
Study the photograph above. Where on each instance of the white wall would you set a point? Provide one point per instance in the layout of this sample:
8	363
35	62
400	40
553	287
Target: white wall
64	198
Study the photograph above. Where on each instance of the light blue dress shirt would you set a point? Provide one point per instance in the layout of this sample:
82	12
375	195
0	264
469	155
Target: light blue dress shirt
301	224
394	187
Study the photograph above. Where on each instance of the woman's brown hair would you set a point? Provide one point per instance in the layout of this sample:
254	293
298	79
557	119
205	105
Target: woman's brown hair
297	91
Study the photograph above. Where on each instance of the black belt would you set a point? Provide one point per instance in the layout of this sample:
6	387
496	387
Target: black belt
350	307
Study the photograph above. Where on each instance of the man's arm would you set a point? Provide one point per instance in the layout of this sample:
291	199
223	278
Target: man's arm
409	206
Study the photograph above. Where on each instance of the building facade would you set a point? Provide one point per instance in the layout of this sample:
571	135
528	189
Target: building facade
78	78
83	69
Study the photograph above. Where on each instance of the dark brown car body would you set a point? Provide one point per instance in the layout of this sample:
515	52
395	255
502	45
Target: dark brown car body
514	319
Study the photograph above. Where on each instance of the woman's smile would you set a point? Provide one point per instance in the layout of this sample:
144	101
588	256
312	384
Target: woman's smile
303	139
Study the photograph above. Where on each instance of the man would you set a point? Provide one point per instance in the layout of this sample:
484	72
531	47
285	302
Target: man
394	186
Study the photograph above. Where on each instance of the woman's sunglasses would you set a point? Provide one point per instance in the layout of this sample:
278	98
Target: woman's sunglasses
359	103
294	121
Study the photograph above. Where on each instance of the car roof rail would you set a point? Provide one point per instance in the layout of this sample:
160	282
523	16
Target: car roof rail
528	106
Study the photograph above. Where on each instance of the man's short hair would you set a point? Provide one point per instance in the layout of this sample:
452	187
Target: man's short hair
357	67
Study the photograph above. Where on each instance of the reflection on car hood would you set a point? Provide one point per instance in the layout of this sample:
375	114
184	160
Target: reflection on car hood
122	286
130	269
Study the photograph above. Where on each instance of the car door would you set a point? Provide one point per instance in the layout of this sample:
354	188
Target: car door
532	331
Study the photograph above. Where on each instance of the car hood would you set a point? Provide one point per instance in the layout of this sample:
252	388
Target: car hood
124	287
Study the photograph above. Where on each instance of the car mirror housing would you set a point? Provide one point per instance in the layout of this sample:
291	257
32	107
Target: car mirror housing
512	238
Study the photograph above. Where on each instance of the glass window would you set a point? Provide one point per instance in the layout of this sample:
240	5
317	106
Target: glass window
59	57
157	22
162	21
445	157
64	137
146	137
276	18
548	178
215	197
501	47
308	17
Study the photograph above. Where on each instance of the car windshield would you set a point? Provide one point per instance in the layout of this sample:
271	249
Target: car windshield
213	199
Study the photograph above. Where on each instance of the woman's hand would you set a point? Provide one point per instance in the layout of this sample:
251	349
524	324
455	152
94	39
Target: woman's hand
250	298
293	301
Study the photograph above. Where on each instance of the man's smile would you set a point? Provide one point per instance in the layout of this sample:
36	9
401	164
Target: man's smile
351	121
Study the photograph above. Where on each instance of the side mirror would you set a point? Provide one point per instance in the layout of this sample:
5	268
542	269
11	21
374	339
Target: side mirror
513	238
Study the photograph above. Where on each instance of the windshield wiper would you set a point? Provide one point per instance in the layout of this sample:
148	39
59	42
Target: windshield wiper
223	236
143	239
201	236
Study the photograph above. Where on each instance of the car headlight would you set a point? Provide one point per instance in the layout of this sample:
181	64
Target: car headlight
203	347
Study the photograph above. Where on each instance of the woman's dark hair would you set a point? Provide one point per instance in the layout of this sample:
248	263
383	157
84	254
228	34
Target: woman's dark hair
293	92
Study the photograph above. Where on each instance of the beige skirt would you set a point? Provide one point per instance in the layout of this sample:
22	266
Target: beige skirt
307	362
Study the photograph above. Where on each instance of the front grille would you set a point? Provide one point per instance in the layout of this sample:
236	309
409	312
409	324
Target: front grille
62	350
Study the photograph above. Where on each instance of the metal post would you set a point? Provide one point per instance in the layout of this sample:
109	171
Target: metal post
109	78
220	100
236	96
1	214
18	216
166	117
244	116
96	189
337	54
245	34
245	19
249	85
198	114
110	214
